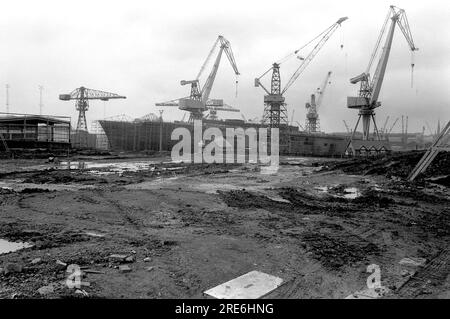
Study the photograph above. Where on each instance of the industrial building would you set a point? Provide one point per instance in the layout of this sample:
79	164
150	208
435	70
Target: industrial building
28	131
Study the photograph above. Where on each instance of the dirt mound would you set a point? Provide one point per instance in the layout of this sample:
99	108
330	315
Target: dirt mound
59	177
244	199
299	201
334	252
396	164
41	236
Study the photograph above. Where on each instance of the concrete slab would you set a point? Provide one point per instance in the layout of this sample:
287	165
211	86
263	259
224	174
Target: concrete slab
252	285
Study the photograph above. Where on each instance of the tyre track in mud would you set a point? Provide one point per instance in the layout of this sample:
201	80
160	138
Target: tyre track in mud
123	210
431	276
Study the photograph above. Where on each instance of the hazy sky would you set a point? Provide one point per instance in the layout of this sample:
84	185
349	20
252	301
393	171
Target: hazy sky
142	49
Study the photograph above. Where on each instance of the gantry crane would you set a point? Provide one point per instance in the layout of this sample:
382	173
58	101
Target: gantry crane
82	96
312	116
370	87
275	113
198	101
383	130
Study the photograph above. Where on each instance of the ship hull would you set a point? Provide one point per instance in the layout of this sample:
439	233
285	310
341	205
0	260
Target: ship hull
156	136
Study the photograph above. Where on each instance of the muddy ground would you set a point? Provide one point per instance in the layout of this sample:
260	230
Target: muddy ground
184	228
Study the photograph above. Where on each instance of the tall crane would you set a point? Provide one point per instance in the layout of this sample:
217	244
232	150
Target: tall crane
392	126
198	101
274	105
370	87
82	96
312	116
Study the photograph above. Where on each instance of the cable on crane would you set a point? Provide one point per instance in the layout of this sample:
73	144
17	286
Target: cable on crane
237	82
412	68
302	47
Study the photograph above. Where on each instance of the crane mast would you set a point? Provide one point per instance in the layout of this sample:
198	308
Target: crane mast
370	88
312	116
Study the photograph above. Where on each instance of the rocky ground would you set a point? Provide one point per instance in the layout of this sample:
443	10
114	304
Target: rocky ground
149	228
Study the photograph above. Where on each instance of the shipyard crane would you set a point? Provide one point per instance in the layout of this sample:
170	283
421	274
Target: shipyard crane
198	101
312	116
82	96
370	86
300	126
274	105
392	127
383	130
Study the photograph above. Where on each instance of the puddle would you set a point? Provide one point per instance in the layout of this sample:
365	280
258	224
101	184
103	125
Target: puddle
18	186
153	184
9	246
93	234
351	193
348	193
323	189
118	167
278	199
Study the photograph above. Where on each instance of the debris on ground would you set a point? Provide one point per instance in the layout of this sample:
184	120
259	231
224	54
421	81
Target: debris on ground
393	165
414	262
124	269
252	285
187	227
45	290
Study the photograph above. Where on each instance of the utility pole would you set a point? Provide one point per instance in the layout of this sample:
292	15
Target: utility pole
7	98
160	129
41	105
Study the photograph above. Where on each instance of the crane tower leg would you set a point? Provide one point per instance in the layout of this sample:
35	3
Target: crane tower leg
275	112
82	108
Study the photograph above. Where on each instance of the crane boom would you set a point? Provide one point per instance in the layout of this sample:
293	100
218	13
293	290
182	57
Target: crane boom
207	59
385	125
328	33
224	46
89	94
322	89
392	127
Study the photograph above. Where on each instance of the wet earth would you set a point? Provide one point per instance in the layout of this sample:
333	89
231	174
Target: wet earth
151	228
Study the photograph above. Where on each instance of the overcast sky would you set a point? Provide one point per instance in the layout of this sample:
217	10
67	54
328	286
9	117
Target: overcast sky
142	49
